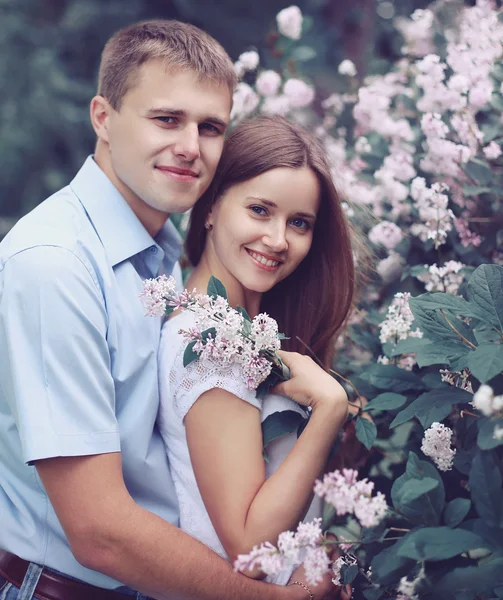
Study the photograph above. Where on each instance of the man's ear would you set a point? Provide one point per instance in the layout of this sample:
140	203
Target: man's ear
100	110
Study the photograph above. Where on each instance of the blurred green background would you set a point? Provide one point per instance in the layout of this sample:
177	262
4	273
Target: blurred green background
50	53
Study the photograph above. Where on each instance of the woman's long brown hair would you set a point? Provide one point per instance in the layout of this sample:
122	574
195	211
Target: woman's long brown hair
312	303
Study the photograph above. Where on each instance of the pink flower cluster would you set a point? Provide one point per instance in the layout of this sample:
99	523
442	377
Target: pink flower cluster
443	279
303	546
350	496
230	343
398	322
432	207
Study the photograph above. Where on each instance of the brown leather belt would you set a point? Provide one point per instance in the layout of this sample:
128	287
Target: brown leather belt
52	586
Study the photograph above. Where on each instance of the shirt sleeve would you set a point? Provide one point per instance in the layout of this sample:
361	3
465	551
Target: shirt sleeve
55	367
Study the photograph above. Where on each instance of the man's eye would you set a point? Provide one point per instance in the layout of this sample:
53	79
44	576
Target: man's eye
166	120
209	128
258	210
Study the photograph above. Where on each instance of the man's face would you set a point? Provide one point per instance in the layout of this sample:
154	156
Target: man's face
166	140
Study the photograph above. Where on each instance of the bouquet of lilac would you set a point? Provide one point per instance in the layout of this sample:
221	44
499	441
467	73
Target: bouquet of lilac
344	495
221	333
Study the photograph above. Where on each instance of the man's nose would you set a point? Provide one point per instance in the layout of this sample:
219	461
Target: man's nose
275	237
187	143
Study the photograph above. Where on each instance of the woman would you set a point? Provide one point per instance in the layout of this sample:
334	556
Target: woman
272	229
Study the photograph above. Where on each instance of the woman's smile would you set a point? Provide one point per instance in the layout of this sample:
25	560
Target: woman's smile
263	261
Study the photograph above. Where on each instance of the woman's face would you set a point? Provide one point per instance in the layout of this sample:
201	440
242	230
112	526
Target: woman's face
263	227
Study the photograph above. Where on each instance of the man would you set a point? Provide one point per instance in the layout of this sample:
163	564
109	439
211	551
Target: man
87	503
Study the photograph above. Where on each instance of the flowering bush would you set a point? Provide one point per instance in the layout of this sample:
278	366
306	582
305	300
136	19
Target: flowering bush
417	153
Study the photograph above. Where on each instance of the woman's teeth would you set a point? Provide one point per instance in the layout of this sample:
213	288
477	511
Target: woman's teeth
261	259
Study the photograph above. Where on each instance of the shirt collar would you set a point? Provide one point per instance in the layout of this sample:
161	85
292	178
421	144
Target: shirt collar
119	229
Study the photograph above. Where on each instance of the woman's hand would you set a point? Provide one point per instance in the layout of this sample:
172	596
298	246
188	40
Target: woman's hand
310	385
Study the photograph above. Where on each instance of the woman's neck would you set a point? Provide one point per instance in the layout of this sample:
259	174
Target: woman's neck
237	295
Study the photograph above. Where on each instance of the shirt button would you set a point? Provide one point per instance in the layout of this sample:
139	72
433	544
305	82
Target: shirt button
153	249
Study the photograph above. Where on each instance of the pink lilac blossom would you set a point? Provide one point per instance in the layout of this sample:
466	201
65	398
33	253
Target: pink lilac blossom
442	279
398	322
298	92
466	236
316	564
245	101
432	206
268	83
247	61
386	234
289	21
492	151
390	268
437	445
276	105
418	32
303	546
154	294
228	343
348	495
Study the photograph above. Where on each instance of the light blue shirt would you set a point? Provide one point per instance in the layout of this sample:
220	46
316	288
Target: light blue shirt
78	359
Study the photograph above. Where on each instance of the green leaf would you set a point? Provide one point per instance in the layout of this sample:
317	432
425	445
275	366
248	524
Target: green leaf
485	489
479	170
303	53
168	310
486	361
386	401
485	437
189	355
432	406
456	511
475	190
387	377
427	508
211	331
279	424
478	580
388	566
414	489
366	432
216	288
408	346
440	326
440	354
438	543
373	593
438	300
348	573
485	290
242	311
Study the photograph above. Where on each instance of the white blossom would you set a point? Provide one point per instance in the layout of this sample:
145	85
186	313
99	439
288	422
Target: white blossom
437	445
492	151
268	83
289	22
386	234
298	92
347	67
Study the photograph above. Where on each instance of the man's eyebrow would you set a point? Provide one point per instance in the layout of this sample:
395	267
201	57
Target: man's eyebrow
165	110
274	205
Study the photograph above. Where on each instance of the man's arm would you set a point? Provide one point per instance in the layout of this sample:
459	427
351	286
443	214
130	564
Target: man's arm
110	533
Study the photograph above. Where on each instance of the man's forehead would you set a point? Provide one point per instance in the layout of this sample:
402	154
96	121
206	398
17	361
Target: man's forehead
178	89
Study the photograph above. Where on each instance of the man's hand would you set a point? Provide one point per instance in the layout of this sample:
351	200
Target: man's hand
325	590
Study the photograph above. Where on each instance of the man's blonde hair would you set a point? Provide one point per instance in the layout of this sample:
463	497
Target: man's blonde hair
179	45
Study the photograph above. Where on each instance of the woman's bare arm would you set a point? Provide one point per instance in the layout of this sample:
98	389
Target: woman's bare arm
225	442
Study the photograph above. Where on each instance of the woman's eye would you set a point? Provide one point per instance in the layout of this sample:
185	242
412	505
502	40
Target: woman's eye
300	223
258	210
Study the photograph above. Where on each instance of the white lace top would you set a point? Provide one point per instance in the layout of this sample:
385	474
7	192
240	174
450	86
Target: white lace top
180	387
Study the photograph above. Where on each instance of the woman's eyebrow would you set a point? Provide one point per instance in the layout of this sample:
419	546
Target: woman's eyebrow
274	205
